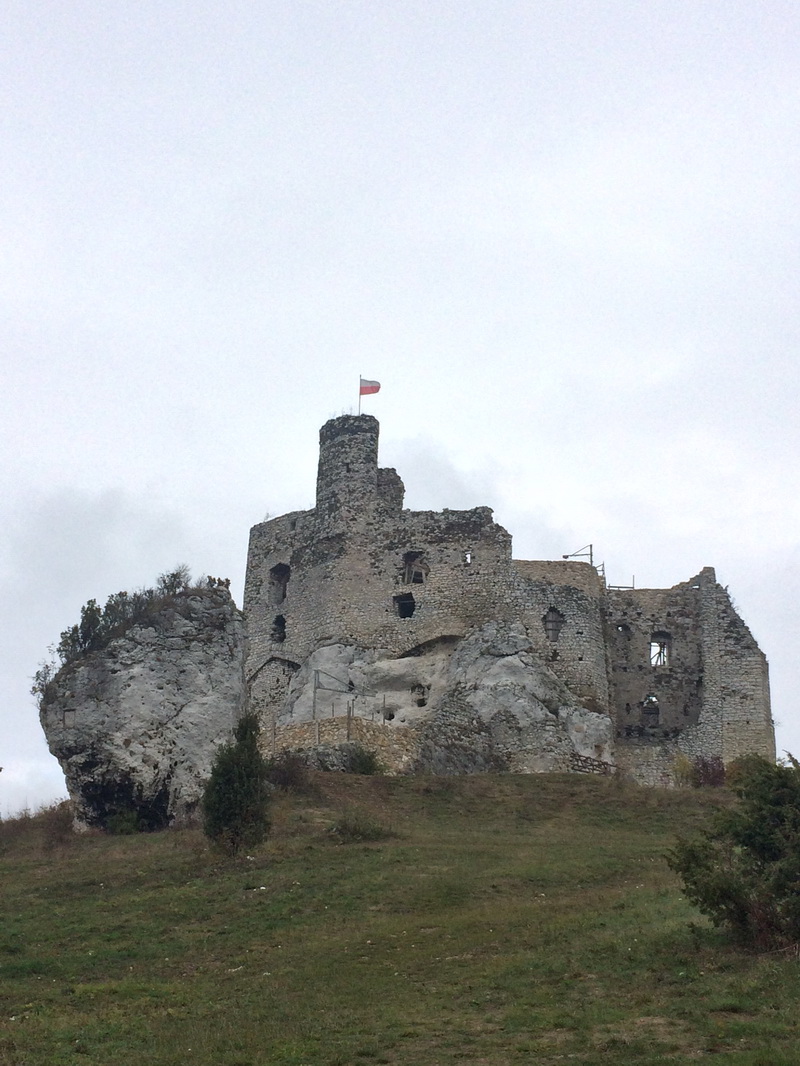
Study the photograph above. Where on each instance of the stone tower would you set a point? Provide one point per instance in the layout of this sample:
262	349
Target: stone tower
347	475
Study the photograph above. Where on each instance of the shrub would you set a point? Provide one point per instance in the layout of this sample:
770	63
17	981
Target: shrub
288	771
50	827
123	823
361	760
682	770
57	824
743	871
98	626
707	772
700	772
174	581
236	798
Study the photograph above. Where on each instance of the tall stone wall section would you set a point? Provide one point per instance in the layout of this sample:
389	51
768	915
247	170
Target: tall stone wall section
736	717
573	641
687	678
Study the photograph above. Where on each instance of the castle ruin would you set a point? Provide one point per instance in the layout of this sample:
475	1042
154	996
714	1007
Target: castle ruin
416	633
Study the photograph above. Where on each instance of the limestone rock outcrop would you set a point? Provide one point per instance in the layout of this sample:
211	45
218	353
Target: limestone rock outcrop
486	702
135	725
505	709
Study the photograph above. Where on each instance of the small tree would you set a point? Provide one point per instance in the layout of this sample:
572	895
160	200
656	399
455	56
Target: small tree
91	626
236	798
175	580
743	872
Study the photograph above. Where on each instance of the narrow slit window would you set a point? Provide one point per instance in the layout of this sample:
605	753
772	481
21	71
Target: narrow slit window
279	630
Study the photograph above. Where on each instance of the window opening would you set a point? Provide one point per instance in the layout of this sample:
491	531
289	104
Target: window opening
279	630
404	605
415	569
278	580
468	557
650	710
421	693
553	624
659	649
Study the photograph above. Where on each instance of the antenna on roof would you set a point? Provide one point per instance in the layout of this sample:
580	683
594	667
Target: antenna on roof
582	553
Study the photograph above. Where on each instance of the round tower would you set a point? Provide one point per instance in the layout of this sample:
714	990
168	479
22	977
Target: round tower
347	476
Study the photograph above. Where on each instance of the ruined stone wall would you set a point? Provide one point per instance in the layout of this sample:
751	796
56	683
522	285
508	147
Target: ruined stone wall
706	694
561	605
736	718
656	694
396	748
676	669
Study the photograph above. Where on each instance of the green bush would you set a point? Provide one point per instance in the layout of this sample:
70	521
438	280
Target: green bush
288	771
123	823
743	872
361	760
236	798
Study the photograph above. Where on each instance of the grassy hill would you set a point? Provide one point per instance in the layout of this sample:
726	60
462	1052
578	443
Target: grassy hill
483	920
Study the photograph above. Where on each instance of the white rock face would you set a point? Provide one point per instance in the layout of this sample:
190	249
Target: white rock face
137	723
534	721
482	703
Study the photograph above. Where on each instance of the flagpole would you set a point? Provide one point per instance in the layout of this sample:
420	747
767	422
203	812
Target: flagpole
359	393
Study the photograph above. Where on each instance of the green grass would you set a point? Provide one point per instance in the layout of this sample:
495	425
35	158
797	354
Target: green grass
484	920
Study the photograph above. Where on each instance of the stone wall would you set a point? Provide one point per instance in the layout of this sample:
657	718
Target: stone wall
561	604
686	677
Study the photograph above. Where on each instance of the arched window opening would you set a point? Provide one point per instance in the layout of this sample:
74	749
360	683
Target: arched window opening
650	710
278	580
553	624
279	630
404	605
415	569
660	649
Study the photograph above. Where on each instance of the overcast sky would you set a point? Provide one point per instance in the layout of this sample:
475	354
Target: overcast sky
563	234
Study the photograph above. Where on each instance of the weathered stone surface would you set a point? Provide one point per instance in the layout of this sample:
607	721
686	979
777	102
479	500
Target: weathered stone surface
486	702
136	724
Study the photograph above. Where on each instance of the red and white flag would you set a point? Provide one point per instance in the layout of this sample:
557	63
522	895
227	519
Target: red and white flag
367	388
